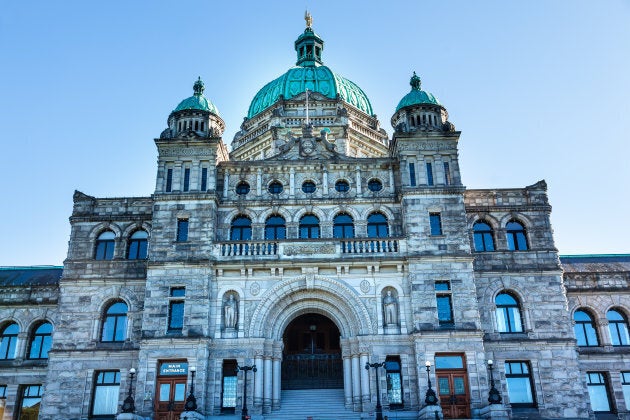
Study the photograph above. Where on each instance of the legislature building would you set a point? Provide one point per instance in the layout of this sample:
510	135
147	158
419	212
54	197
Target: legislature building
337	260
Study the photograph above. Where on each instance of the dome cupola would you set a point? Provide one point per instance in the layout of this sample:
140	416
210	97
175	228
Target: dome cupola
309	45
197	101
417	96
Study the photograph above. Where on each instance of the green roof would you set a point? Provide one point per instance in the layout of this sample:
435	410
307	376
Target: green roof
417	96
197	101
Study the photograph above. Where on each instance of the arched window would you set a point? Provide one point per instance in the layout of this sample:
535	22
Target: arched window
8	341
241	229
308	187
618	326
584	328
275	187
343	226
242	188
483	238
517	241
309	227
115	322
508	314
137	249
105	246
41	341
377	226
275	228
375	185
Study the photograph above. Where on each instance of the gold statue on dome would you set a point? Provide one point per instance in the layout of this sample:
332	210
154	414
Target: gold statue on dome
308	18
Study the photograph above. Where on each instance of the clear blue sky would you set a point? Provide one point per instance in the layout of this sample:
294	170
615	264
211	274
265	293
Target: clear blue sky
539	89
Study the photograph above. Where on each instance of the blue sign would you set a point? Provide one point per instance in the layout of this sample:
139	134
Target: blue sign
173	368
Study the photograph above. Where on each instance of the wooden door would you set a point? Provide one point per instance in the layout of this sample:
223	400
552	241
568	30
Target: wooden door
453	393
170	398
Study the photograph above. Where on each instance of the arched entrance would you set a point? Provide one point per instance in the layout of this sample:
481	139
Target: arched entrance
312	354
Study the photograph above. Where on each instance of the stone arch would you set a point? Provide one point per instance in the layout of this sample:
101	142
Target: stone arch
309	210
484	217
294	297
229	217
134	227
343	209
517	217
102	227
271	211
386	211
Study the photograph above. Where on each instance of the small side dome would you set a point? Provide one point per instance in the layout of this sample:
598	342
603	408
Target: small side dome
197	101
417	96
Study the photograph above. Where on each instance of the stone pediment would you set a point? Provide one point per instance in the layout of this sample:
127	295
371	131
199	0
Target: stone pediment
307	147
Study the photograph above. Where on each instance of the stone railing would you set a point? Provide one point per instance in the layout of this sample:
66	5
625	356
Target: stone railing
318	248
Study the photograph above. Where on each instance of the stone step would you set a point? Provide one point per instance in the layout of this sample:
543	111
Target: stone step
313	404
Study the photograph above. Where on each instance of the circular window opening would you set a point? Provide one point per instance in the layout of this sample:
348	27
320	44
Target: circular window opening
308	187
342	186
275	187
242	188
375	185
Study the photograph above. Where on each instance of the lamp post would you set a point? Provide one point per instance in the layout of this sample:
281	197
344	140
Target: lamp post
379	408
494	397
191	401
430	397
245	369
129	405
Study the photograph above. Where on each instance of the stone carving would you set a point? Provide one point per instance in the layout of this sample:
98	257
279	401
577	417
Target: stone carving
365	286
230	312
390	308
309	249
254	289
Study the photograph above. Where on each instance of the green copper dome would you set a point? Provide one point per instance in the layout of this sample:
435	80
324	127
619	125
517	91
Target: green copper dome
309	73
417	96
197	101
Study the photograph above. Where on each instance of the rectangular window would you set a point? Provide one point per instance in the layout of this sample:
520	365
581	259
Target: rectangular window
435	221
429	173
598	392
447	174
230	382
444	303
519	384
625	386
412	174
30	399
204	178
186	179
176	310
106	393
169	180
394	380
182	230
3	392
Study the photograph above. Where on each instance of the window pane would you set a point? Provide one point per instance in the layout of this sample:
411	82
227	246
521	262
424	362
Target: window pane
449	362
519	390
445	312
515	320
182	230
229	391
394	388
599	398
443	386
502	324
180	392
412	174
436	223
176	318
429	173
105	400
625	386
165	392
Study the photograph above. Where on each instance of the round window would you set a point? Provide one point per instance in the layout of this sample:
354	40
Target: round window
242	188
375	185
342	186
275	187
308	187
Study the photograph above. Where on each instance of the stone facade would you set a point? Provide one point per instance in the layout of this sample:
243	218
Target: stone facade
397	259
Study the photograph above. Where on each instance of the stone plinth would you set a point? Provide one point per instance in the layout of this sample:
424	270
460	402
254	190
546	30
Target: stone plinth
494	411
191	415
430	412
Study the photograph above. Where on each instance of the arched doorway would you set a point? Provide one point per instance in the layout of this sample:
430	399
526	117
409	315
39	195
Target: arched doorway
312	354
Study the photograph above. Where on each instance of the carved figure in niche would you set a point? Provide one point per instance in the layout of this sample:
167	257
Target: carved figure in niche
229	312
390	308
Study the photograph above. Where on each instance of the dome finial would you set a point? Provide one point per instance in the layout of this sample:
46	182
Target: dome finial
198	87
308	18
415	82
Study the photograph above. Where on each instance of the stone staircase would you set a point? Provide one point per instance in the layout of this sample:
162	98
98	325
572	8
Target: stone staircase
313	404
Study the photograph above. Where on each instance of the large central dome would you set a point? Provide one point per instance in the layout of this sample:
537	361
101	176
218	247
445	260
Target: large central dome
309	73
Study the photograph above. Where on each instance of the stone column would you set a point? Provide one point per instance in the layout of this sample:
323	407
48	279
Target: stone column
178	176
259	182
226	184
347	381
356	383
258	381
392	188
358	179
325	183
365	380
268	384
275	402
292	182
161	178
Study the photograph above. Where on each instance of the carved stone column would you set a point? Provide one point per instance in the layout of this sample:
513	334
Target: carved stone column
365	380
258	381
356	383
268	384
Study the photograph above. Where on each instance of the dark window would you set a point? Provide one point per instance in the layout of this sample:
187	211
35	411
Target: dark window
8	341
516	238
176	315
394	380
115	323
342	186
105	394
584	328
186	179
169	180
598	392
30	400
412	174
178	292
275	187
309	227
508	314
482	235
204	177
308	187
444	302
137	249
375	185
429	173
230	382
196	125
447	173
182	230
343	226
275	228
435	221
519	384
105	246
377	226
203	125
618	327
242	188
241	229
41	341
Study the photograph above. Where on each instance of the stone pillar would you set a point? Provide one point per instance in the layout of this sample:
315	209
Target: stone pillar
258	381
177	176
275	402
392	188
325	183
358	179
365	381
161	178
292	182
356	383
347	381
268	385
226	184
259	182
